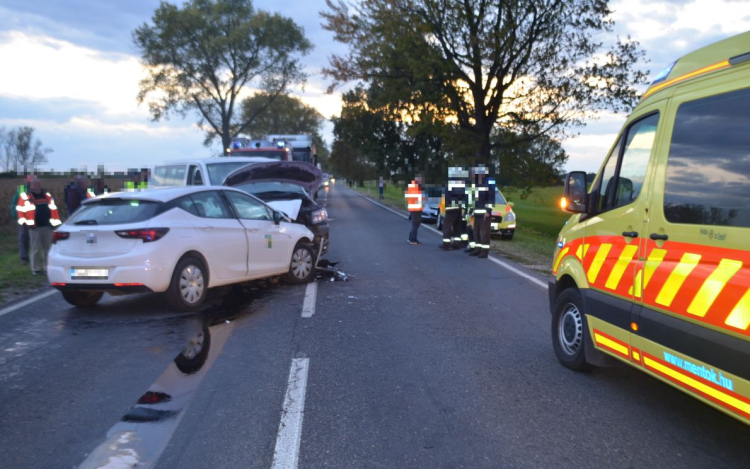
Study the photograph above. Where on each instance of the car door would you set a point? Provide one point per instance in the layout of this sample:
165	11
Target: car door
223	235
256	219
195	176
694	327
613	233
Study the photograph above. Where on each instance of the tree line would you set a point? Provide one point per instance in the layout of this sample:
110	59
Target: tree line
21	150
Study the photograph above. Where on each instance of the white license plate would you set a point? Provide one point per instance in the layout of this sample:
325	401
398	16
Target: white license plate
89	273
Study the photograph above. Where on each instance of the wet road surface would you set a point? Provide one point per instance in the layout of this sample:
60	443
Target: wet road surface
423	359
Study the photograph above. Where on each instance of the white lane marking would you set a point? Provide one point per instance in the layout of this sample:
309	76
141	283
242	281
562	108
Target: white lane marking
286	453
311	294
38	297
505	265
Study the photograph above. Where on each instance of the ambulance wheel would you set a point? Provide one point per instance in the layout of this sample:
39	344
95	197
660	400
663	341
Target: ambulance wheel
82	299
568	338
508	237
302	265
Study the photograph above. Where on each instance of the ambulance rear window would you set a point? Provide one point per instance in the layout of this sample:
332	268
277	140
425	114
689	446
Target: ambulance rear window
708	170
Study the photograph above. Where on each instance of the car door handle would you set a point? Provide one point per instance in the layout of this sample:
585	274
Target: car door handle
207	227
630	234
251	230
659	237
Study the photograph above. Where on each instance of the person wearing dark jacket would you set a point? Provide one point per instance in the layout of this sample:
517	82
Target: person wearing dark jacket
483	203
23	230
37	210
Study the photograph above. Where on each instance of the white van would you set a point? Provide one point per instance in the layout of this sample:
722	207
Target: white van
200	171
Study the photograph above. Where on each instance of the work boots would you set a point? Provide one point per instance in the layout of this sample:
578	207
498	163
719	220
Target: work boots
475	252
484	254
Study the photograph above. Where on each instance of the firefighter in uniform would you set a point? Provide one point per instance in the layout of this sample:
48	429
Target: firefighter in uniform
454	198
37	210
471	190
483	203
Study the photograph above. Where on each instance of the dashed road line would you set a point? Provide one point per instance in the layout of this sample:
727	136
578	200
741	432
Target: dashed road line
289	437
311	294
33	299
505	265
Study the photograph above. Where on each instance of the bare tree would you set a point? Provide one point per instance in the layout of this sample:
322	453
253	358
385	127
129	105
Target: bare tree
23	151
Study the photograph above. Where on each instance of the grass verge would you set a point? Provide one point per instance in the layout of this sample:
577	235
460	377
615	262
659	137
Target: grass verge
16	280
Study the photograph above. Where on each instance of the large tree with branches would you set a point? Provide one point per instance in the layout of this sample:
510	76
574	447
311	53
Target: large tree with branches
535	67
206	55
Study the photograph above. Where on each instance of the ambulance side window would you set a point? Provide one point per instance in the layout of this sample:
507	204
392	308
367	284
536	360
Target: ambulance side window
708	169
625	171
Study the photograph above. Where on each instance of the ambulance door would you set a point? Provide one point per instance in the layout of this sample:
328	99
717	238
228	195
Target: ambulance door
614	233
695	322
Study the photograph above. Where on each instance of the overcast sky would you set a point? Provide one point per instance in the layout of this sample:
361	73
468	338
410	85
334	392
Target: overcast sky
69	69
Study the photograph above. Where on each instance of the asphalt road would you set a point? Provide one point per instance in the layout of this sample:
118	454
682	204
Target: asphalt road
424	359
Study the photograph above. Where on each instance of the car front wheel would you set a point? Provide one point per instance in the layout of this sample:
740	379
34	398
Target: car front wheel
82	299
302	265
568	335
189	286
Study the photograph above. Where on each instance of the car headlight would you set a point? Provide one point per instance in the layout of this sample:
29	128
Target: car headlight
510	217
319	216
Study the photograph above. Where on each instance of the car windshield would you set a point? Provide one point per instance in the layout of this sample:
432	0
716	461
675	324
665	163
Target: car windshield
434	191
265	187
217	172
114	212
499	199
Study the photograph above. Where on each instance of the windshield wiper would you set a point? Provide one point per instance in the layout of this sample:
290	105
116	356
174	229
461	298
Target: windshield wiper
86	222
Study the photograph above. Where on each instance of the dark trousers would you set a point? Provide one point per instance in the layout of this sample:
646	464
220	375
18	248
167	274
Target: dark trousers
23	243
482	232
452	227
416	220
380	192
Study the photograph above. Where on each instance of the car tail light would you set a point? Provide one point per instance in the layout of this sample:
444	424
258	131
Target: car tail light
59	236
152	397
128	284
147	235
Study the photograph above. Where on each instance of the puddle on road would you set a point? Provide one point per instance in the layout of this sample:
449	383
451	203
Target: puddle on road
140	437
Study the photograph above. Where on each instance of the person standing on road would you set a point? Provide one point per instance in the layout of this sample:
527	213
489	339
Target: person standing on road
483	203
39	213
16	208
454	196
414	203
380	187
77	194
471	192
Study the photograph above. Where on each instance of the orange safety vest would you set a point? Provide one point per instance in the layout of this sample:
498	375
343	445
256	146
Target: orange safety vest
26	209
414	197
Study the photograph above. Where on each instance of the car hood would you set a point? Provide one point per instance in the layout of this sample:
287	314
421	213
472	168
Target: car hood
300	173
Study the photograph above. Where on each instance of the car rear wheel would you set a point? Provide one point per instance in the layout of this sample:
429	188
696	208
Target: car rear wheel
439	222
568	335
189	285
302	265
82	299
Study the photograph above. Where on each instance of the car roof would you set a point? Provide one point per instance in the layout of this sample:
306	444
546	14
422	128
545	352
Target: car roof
220	159
160	194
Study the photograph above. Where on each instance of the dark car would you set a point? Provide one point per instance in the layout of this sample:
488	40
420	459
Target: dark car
287	186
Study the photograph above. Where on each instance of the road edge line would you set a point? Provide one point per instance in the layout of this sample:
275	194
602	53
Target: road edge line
505	265
311	295
289	436
27	302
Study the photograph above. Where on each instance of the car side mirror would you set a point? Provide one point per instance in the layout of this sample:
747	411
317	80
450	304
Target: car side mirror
574	197
277	217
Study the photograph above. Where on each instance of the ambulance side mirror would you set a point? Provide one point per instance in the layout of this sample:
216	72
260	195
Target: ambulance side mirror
574	197
510	204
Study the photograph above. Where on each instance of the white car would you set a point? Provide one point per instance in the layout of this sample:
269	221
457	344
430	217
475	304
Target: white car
181	241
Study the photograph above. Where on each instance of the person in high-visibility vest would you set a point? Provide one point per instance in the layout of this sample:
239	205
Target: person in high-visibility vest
454	195
415	203
483	203
23	230
37	210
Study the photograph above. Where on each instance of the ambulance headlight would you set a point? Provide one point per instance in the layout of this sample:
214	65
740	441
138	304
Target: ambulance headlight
510	217
319	216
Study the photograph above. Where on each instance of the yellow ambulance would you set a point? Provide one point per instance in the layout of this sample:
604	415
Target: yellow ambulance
653	267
